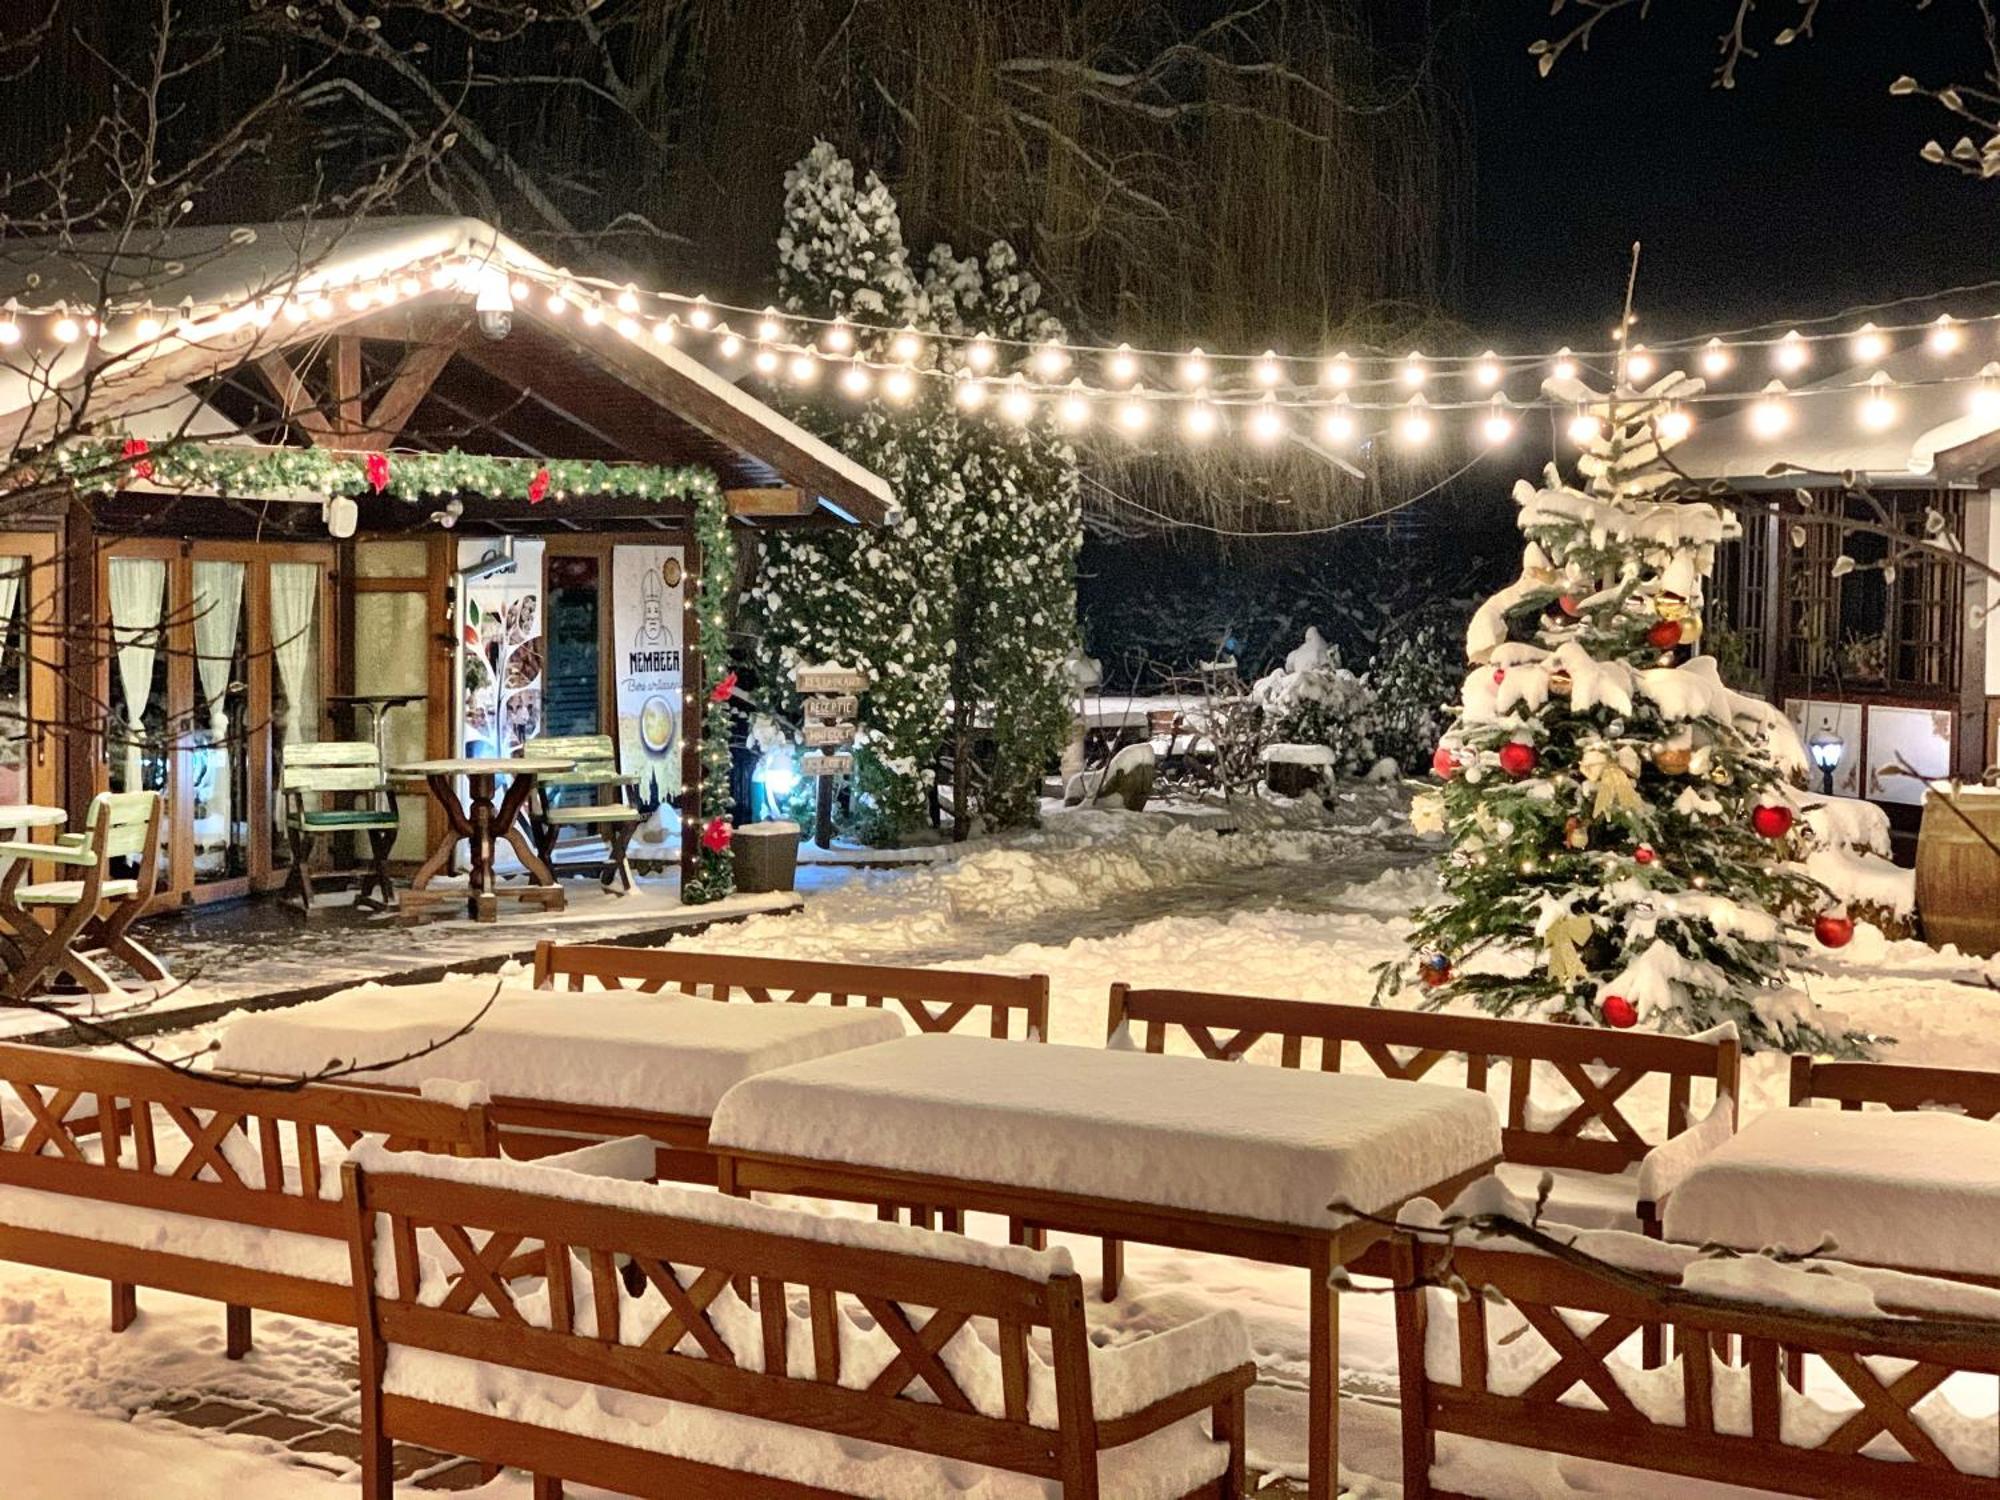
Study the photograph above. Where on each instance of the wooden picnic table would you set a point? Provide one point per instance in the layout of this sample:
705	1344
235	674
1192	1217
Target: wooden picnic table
558	1064
1913	1192
1165	1150
478	821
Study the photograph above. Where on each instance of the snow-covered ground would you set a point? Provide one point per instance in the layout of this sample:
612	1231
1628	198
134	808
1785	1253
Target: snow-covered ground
1289	904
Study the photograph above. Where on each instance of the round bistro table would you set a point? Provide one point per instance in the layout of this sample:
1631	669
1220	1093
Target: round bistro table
480	822
18	820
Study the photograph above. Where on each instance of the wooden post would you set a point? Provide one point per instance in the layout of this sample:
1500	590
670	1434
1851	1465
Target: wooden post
823	814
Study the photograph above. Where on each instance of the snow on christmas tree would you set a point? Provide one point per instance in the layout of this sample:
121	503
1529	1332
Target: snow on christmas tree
1618	816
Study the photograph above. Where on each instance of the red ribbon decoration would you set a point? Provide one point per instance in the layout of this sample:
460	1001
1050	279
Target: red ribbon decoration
538	487
136	448
376	467
716	835
721	691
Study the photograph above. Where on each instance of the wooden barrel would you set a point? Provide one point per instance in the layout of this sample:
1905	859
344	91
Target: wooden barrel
1958	870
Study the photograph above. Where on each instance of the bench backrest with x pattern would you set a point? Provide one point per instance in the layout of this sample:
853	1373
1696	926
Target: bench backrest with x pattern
1600	1068
935	1000
593	1256
1696	1430
150	1137
1896	1086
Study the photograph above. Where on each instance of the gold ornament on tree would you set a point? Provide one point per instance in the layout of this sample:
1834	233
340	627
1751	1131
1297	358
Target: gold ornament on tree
1563	938
1672	760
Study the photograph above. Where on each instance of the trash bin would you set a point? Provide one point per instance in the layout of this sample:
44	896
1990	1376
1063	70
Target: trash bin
767	856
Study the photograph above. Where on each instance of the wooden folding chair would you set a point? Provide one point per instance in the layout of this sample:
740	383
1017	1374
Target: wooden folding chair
595	771
92	912
330	767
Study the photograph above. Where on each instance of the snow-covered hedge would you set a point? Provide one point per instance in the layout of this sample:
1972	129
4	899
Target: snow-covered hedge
1314	700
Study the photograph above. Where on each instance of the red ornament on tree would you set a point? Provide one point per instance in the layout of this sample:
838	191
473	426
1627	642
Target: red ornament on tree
1499	675
136	449
1568	605
538	487
1665	635
1517	759
1645	854
1772	821
1434	970
376	468
1444	763
1618	1011
721	691
715	835
1833	929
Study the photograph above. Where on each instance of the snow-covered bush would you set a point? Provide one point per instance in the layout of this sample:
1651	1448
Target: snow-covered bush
1415	677
1314	700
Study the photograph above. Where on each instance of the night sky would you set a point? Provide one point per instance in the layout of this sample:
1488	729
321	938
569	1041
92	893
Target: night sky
1798	192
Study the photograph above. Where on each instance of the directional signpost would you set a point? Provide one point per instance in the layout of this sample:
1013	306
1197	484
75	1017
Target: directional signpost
830	708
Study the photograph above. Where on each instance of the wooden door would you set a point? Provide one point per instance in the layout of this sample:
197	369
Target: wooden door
30	737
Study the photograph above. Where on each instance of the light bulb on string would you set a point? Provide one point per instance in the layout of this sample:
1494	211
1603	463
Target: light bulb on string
1877	410
1073	410
1268	371
520	290
1985	398
839	338
1945	335
1585	429
1050	361
628	300
766	361
769	328
700	315
1266	423
1675	424
1338	372
1771	413
1135	415
295	311
899	386
1486	374
629	327
1715	358
1336	423
1413	373
1194	368
1122	366
906	347
1791	353
557	304
1564	367
980	354
969	391
1199	421
1497	426
593	314
1870	345
803	369
1639	365
855	380
66	330
147	329
10	331
1415	426
1016	404
664	330
727	344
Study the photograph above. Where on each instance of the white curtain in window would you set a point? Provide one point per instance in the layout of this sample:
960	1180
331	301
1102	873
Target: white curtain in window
294	642
14	717
218	607
138	587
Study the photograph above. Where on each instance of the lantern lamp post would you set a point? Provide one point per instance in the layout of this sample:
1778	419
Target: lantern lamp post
1826	749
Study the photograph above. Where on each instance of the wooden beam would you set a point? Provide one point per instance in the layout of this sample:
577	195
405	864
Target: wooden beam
506	365
294	401
419	370
345	369
787	501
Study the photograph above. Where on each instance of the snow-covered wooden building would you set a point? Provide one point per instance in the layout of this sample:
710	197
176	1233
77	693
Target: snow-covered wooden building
400	456
1902	663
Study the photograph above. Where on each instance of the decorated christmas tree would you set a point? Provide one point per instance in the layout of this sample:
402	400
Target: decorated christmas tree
1619	818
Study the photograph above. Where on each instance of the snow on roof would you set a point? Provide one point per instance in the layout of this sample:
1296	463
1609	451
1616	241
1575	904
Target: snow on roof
204	268
1929	418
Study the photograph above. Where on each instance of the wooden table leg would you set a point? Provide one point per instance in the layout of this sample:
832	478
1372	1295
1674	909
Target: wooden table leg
550	891
1323	1397
480	903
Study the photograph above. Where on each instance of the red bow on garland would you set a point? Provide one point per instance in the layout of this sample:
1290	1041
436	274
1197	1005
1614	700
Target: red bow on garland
715	836
135	449
376	467
721	691
538	487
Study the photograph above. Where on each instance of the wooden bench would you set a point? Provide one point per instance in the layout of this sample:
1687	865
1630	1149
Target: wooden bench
934	1000
790	1345
99	1156
328	768
1896	1086
1587	1149
594	772
1564	1332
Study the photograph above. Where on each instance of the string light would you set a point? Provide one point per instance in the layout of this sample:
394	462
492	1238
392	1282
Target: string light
631	329
664	330
1497	426
1016	405
804	369
1771	413
1200	421
700	315
899	386
1123	366
67	330
766	361
628	301
1267	371
1337	425
1584	429
1413	373
1134	416
1267	422
906	347
557	305
1869	344
1791	353
855	379
728	344
593	314
145	330
1674	424
1565	366
1985	399
1073	410
980	355
1945	335
969	391
839	337
1877	411
10	333
1050	362
1639	365
769	329
1415	425
1715	359
1487	372
1194	368
1338	372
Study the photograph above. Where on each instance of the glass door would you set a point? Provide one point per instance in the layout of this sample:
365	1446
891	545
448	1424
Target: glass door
29	742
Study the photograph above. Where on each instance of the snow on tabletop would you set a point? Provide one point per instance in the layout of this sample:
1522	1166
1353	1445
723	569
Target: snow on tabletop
1920	1190
1667	1165
1298	755
671	1054
1274	1144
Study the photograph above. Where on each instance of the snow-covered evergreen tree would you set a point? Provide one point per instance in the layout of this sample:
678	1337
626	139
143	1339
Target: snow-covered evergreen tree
1618	816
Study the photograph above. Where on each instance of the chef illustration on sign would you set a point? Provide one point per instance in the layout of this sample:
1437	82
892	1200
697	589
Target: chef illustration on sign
653	669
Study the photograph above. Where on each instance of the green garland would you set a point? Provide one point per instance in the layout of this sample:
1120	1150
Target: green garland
219	469
714	874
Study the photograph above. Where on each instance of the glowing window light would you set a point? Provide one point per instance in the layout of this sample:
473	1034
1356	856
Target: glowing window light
1771	413
1337	372
1416	424
1268	371
1715	358
1123	365
1267	423
1945	335
1870	345
1486	374
1336	425
1791	353
1194	368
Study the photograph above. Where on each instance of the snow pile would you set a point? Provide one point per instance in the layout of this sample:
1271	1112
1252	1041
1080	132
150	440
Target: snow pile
1314	700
